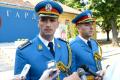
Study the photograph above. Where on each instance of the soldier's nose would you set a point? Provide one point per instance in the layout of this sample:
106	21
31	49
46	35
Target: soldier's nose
48	24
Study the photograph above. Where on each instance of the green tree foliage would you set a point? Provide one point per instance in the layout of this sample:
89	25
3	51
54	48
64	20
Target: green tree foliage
109	11
72	3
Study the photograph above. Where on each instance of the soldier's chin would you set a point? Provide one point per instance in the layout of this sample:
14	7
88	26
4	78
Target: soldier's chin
90	35
49	35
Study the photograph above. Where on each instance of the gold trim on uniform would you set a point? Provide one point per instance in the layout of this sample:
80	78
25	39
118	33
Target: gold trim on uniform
69	61
90	77
40	47
97	56
49	12
58	45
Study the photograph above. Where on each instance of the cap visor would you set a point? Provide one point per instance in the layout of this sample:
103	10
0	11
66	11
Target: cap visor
87	20
90	20
47	15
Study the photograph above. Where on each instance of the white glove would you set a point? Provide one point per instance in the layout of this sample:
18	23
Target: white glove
49	74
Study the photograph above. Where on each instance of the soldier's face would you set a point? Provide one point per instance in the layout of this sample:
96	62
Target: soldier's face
48	25
86	29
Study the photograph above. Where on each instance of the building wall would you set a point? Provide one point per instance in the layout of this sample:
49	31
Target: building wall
66	16
17	24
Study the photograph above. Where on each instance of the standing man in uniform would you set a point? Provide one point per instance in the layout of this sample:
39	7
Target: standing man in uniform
84	48
44	48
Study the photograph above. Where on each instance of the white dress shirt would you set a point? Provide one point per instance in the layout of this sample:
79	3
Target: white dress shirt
83	39
45	42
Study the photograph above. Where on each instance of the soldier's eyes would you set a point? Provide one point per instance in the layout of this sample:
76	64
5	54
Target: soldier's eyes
43	20
52	20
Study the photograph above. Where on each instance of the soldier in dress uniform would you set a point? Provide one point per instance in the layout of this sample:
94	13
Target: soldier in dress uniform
44	48
85	49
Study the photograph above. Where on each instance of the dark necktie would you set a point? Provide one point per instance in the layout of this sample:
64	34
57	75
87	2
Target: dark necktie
89	44
50	45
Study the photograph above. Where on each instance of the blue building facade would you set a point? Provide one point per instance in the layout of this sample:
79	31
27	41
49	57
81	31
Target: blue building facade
17	23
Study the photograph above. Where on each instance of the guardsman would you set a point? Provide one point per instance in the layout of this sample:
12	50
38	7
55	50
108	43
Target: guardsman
44	48
84	48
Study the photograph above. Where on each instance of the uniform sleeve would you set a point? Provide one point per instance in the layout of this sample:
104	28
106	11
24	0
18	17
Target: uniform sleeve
73	63
20	62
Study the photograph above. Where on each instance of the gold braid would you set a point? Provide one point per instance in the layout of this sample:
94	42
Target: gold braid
69	61
100	51
98	56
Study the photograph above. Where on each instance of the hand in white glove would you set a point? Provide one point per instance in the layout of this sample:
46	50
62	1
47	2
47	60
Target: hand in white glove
49	74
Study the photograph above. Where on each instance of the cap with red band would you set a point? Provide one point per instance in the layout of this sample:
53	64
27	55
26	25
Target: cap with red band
48	8
83	17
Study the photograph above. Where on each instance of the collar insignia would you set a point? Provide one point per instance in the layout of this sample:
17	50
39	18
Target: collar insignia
40	47
58	45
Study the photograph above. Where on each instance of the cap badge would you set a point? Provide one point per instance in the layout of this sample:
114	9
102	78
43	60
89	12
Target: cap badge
89	15
48	7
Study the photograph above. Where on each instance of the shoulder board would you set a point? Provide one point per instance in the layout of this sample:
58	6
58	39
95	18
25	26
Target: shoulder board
22	46
62	40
